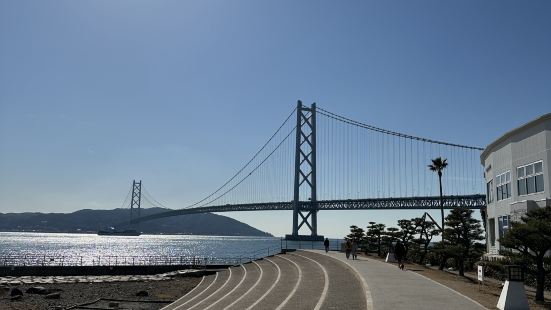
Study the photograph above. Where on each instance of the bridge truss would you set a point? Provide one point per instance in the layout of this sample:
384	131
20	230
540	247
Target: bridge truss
476	202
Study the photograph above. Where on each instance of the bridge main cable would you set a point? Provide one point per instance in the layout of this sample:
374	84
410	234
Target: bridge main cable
390	132
243	168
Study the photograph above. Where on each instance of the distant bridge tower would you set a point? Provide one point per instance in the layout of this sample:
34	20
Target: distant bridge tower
135	202
305	212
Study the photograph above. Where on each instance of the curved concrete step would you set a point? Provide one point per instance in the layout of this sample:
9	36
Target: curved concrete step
206	281
268	274
310	287
345	289
236	276
219	281
252	278
287	282
298	280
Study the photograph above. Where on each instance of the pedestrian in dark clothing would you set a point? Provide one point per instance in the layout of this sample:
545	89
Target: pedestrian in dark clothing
399	253
326	245
347	249
354	249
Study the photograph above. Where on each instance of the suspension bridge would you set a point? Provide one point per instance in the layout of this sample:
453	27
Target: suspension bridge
320	160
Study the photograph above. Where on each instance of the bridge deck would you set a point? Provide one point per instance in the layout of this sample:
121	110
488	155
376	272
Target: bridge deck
411	203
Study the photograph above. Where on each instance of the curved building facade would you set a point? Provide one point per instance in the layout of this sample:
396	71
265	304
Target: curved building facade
516	171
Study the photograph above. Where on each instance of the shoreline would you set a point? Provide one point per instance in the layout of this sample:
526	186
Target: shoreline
122	270
160	292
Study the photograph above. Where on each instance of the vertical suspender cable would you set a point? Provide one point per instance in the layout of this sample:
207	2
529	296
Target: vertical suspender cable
399	139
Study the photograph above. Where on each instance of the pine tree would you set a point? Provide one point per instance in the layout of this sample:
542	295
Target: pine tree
531	237
390	236
406	234
462	231
356	234
375	234
426	231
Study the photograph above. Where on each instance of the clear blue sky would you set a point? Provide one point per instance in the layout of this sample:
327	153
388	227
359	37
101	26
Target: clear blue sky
181	93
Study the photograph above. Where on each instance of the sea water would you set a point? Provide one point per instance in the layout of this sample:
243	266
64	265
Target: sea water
90	248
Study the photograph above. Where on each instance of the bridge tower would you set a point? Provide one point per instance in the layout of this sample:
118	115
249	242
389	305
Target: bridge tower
305	212
135	202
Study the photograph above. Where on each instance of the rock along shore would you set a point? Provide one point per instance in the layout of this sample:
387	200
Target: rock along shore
61	292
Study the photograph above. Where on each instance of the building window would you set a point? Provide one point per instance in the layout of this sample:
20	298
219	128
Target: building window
530	178
490	191
491	231
503	222
503	183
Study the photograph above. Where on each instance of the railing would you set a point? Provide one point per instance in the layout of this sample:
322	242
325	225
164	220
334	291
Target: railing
334	244
150	260
162	260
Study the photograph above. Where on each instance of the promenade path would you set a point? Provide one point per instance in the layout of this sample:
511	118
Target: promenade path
392	288
315	280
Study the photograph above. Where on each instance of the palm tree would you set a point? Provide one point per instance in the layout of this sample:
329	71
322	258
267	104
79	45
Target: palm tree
438	165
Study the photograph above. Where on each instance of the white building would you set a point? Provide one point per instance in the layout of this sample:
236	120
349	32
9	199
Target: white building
517	167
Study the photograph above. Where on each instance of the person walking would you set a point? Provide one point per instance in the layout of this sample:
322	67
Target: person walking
354	249
347	249
326	245
399	253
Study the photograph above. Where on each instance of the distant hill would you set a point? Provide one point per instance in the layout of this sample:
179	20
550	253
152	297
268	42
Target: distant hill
91	220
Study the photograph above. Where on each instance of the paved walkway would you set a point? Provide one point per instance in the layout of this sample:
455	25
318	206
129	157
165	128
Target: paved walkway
392	288
316	280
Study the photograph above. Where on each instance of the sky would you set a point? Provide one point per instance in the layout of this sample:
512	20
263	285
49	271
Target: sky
179	94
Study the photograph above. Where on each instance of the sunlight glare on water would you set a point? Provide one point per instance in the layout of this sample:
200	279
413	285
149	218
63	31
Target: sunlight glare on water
89	245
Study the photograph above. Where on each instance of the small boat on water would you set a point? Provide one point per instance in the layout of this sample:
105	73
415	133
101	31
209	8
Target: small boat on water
128	232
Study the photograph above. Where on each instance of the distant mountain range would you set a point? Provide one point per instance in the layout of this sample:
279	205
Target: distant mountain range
91	221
